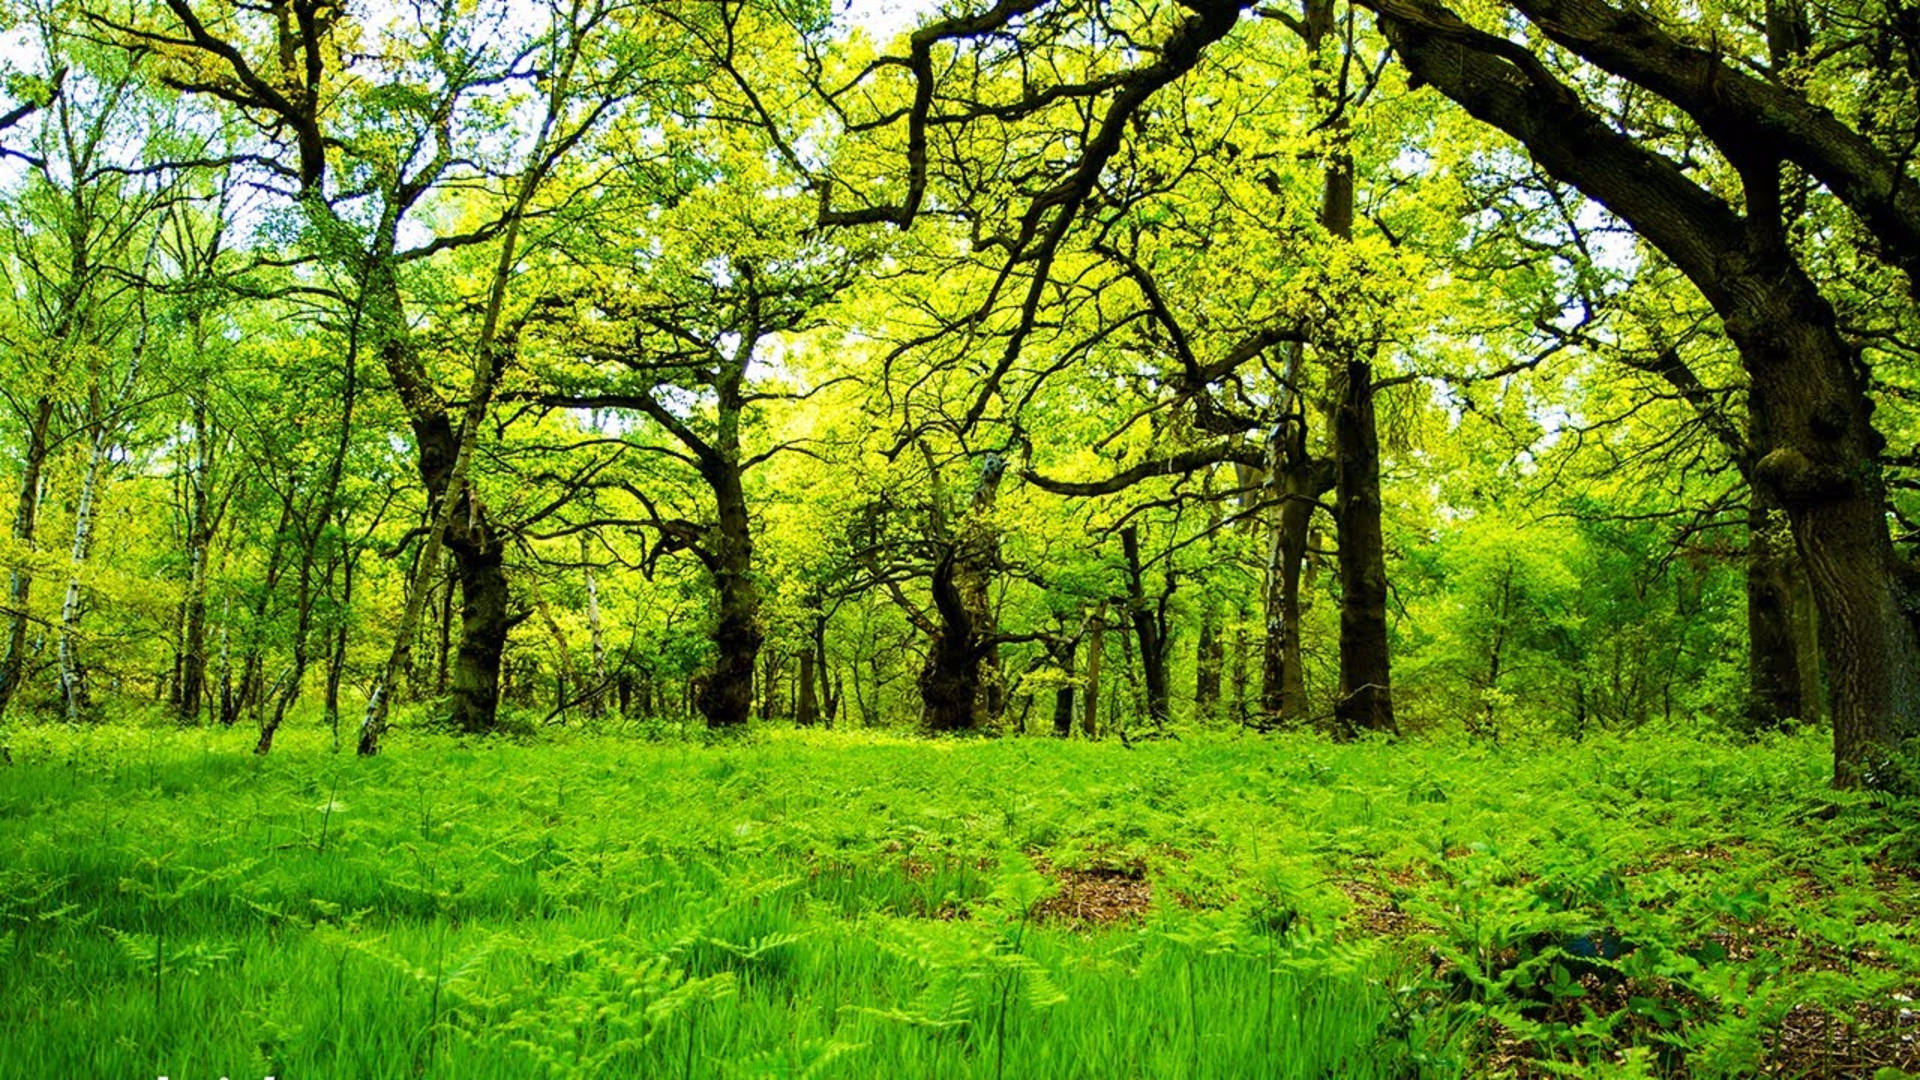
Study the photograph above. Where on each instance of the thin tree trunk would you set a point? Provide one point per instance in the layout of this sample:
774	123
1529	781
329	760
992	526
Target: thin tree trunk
337	655
807	710
1096	648
1149	630
1209	654
443	664
1773	645
193	651
26	516
1063	694
73	680
596	704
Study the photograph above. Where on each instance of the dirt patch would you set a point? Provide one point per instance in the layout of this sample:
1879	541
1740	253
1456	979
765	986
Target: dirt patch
1813	1041
1376	910
1095	896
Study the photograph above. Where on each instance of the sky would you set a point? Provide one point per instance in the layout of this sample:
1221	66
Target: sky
885	18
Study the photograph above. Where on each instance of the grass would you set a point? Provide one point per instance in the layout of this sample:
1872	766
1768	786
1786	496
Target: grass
829	905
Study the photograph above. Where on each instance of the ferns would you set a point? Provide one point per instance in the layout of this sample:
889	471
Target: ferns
820	906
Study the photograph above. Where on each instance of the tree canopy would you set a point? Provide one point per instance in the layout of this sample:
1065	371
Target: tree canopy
1047	366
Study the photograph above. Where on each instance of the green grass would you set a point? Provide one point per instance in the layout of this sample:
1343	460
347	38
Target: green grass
857	906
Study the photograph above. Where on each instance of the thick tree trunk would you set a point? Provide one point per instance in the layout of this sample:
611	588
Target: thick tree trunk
1823	467
1365	702
26	517
727	698
960	689
950	680
485	620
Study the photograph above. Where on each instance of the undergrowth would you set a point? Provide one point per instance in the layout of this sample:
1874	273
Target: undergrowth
856	905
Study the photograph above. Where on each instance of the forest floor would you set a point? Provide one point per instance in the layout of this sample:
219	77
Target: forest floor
854	905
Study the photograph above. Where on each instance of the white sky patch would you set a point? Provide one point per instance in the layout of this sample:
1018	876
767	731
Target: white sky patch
885	18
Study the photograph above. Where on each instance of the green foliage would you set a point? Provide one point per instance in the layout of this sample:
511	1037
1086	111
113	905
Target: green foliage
843	906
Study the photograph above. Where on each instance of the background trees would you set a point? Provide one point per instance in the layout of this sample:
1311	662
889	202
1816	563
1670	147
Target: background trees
1055	366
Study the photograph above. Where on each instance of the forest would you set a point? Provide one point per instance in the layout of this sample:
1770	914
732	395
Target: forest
1106	538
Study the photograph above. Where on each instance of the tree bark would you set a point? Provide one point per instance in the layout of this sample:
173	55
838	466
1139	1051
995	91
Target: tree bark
1209	656
958	684
337	653
1296	484
1096	647
1063	694
1149	628
193	649
597	701
485	620
727	698
26	516
806	711
1773	644
1366	700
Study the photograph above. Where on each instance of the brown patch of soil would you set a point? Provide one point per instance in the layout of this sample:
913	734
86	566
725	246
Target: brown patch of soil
1376	910
1813	1041
1096	896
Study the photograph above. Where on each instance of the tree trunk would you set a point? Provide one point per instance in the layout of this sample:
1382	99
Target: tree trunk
193	650
727	698
1365	702
1283	698
443	663
485	620
959	684
1096	646
73	677
26	516
1063	694
596	701
1773	644
807	711
950	679
227	708
1149	628
337	655
1209	655
1241	674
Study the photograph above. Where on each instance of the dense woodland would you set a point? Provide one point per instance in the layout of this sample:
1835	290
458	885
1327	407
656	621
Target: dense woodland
1045	366
1426	493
